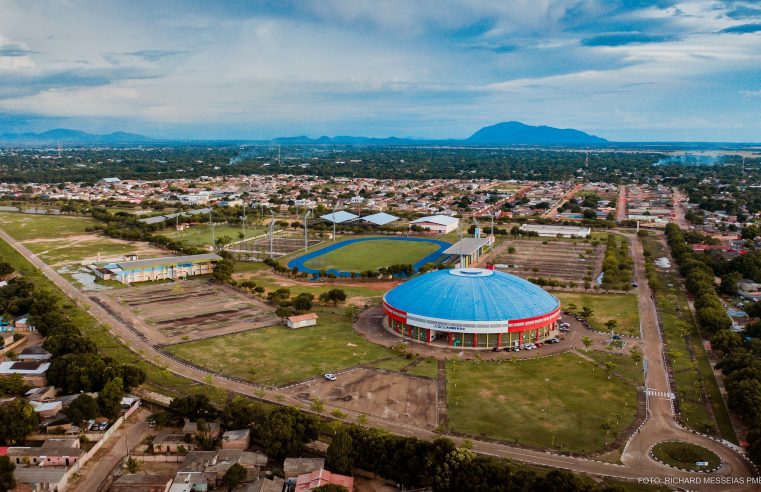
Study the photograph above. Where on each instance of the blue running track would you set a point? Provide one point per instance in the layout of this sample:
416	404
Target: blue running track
432	258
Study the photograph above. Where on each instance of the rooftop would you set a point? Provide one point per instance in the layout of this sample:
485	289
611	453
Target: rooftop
339	217
169	260
471	294
467	246
437	219
380	218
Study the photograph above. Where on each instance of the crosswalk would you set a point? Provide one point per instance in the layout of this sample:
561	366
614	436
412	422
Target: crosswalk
660	394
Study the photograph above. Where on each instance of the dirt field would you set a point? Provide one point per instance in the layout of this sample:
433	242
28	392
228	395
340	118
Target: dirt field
381	394
188	310
560	260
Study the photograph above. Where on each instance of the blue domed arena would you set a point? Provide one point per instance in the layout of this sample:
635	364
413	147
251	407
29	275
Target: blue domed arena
471	307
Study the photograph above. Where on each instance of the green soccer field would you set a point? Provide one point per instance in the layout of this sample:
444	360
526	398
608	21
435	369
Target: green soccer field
371	255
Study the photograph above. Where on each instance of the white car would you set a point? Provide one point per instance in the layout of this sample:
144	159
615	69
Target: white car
330	376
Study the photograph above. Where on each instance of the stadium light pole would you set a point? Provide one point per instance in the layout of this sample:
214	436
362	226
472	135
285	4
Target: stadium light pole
272	234
244	220
306	234
335	206
211	225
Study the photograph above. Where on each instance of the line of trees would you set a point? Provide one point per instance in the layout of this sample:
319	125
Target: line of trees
411	462
741	362
617	265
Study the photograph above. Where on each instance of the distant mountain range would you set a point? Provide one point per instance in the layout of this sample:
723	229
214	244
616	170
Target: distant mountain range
72	137
508	133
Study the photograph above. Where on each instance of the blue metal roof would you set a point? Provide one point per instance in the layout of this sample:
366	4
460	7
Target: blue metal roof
471	294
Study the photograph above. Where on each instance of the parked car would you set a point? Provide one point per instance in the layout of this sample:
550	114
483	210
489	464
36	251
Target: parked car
564	328
495	349
330	376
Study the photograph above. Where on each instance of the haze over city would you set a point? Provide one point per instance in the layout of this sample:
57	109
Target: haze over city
624	70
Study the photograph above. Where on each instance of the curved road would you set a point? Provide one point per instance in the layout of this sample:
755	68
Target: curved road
637	464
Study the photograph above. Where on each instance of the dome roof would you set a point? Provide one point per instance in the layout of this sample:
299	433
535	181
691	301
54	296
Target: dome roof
471	294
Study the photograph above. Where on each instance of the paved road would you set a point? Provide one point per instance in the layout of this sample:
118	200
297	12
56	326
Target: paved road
552	212
637	464
621	204
97	470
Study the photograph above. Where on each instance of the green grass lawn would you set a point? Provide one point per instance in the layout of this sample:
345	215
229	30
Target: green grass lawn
278	355
684	455
691	376
427	367
59	252
28	226
584	409
624	365
621	307
371	255
201	235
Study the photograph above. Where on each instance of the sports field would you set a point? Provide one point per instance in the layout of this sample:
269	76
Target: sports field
370	253
623	308
279	355
201	235
23	227
561	401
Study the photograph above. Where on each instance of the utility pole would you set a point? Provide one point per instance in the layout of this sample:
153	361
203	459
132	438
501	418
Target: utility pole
306	232
244	220
335	206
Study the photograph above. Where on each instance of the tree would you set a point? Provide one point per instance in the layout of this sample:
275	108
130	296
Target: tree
586	312
234	476
744	397
283	312
7	480
131	465
729	283
193	407
510	252
727	341
351	312
611	325
17	420
333	295
132	376
13	385
82	409
110	398
587	342
303	301
241	413
340	453
286	431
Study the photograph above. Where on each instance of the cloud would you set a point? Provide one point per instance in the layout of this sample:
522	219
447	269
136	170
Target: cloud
624	38
751	93
743	29
15	49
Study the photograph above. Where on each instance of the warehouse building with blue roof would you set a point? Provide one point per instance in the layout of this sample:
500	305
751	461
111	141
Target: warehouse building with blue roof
471	307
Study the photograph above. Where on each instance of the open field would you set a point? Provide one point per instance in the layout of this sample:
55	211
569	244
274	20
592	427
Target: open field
621	307
60	239
191	309
158	378
561	401
200	235
371	255
385	395
562	260
624	365
426	367
680	332
279	355
23	227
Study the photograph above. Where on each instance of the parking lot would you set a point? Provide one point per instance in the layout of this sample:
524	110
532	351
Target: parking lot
188	310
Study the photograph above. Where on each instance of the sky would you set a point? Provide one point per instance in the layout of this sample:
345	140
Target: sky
626	70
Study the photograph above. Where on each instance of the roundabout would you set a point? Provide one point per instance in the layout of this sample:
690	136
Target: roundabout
685	456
